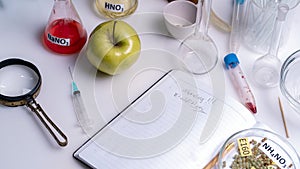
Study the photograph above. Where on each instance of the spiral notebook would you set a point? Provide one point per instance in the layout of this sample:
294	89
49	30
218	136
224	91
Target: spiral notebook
161	129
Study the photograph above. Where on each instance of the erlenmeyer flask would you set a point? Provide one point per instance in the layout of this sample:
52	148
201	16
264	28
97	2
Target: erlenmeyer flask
115	8
64	32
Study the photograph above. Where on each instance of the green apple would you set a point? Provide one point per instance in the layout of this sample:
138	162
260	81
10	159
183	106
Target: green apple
113	47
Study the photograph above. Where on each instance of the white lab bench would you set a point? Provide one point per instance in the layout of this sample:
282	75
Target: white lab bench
24	142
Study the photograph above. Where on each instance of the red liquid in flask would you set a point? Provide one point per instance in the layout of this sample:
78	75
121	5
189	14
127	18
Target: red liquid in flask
65	36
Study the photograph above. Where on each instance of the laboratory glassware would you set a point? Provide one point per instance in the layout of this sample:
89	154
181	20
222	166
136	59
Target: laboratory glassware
259	23
290	80
20	83
64	33
232	63
236	25
266	69
180	24
239	81
198	51
115	8
261	147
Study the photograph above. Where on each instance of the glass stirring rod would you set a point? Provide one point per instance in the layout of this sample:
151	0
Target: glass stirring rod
81	113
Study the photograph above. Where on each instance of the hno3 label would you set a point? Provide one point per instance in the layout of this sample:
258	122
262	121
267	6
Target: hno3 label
59	41
114	7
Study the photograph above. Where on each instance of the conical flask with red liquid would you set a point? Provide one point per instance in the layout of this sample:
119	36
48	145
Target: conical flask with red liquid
64	33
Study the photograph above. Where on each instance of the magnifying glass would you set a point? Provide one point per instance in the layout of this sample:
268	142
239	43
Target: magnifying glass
20	83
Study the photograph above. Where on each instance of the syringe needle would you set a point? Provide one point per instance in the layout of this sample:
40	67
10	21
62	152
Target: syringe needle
81	113
74	86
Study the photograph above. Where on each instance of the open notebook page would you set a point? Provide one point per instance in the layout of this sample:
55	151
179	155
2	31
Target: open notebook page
162	128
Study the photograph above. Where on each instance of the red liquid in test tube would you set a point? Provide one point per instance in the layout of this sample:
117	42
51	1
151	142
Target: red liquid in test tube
239	81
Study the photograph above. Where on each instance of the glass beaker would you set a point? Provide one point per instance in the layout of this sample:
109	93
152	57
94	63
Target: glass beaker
115	8
64	32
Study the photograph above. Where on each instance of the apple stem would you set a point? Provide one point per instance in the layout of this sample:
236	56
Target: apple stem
113	37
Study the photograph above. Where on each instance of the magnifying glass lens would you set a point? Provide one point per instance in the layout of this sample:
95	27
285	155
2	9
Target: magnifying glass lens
17	80
20	83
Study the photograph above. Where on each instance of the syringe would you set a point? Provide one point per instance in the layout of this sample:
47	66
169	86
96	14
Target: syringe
79	108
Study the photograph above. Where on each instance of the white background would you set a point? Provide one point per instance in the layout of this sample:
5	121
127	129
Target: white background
25	144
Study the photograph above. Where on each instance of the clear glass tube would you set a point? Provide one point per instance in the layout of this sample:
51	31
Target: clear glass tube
276	35
266	69
239	81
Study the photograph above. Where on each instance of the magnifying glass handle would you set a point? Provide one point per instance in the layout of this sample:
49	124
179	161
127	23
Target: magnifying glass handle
56	133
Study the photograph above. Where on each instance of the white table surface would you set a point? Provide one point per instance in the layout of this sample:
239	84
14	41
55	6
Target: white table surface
25	144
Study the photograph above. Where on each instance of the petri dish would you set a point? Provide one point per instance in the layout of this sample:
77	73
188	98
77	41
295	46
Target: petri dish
259	148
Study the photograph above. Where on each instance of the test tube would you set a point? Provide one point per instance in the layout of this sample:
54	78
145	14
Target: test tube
239	81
